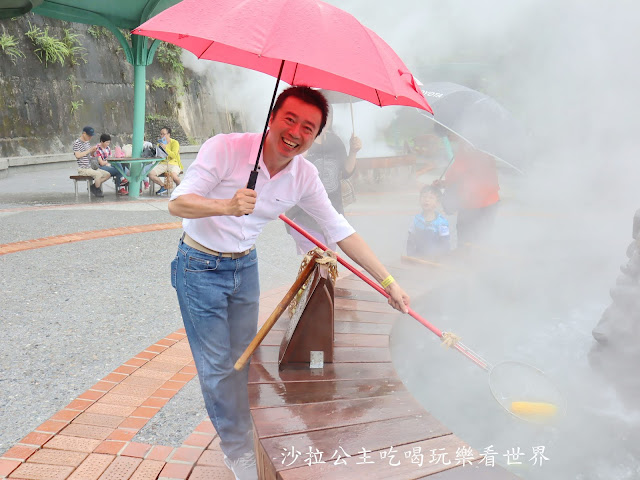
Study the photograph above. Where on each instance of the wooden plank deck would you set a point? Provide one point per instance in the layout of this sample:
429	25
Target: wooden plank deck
354	418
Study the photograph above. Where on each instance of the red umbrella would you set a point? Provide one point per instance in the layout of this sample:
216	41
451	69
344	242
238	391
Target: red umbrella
304	42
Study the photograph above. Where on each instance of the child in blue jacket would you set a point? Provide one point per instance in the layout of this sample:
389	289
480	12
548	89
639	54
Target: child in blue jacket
429	230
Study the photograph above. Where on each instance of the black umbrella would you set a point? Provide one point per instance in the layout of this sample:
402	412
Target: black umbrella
479	120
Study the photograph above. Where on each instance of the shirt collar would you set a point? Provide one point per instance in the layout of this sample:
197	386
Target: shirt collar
291	168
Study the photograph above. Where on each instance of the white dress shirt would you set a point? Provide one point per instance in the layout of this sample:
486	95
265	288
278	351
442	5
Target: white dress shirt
222	167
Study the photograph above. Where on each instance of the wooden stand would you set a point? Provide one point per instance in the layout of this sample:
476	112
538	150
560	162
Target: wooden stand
309	339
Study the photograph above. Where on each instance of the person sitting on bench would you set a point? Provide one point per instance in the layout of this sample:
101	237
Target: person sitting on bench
82	150
170	165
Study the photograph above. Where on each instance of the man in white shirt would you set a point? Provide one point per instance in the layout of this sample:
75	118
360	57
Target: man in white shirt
215	272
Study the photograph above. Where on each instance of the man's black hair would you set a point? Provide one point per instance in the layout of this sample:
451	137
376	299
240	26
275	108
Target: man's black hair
105	137
307	95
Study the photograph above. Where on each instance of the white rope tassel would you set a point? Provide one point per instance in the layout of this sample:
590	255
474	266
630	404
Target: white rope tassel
449	339
329	258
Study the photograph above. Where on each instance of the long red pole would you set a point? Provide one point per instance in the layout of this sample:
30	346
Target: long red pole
461	348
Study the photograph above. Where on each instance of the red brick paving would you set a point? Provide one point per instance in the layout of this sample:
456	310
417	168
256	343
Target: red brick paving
6	248
160	452
148	470
41	472
36	439
8	466
75	444
187	454
121	468
74	205
111	446
93	467
81	405
178	471
90	438
20	452
135	449
199	440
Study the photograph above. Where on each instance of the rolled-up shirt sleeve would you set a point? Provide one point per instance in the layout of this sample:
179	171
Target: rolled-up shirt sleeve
316	203
207	170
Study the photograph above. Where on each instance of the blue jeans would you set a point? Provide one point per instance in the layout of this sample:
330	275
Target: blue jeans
219	300
114	173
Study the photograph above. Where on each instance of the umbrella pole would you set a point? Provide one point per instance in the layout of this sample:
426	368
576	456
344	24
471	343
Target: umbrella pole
253	176
447	146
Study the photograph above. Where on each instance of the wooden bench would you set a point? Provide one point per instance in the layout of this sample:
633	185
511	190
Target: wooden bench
81	178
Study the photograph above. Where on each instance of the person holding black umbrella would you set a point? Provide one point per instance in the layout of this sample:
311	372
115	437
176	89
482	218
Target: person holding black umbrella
215	272
330	157
471	189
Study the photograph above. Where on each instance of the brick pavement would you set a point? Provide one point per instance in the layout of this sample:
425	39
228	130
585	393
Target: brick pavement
91	438
81	236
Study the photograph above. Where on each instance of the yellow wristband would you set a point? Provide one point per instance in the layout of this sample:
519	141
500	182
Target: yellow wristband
387	281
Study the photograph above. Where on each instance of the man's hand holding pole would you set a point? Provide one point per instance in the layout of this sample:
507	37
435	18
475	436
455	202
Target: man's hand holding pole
243	202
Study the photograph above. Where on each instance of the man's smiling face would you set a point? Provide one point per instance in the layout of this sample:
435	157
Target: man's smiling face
293	128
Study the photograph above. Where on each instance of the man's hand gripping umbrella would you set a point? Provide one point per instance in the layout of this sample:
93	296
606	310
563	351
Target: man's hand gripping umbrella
521	389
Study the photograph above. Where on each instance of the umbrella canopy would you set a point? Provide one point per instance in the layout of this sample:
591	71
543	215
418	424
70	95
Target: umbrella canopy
338	97
478	119
314	43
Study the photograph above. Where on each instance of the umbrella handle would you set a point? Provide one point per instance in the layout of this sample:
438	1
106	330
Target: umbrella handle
353	124
458	346
253	177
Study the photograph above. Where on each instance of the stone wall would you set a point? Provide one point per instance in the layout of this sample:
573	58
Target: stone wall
37	113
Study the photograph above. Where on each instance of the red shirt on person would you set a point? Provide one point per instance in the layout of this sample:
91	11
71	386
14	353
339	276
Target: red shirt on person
474	178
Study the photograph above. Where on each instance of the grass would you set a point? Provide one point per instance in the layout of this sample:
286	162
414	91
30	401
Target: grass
72	83
9	46
48	48
76	105
126	34
97	32
158	82
51	49
76	51
155	117
169	56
